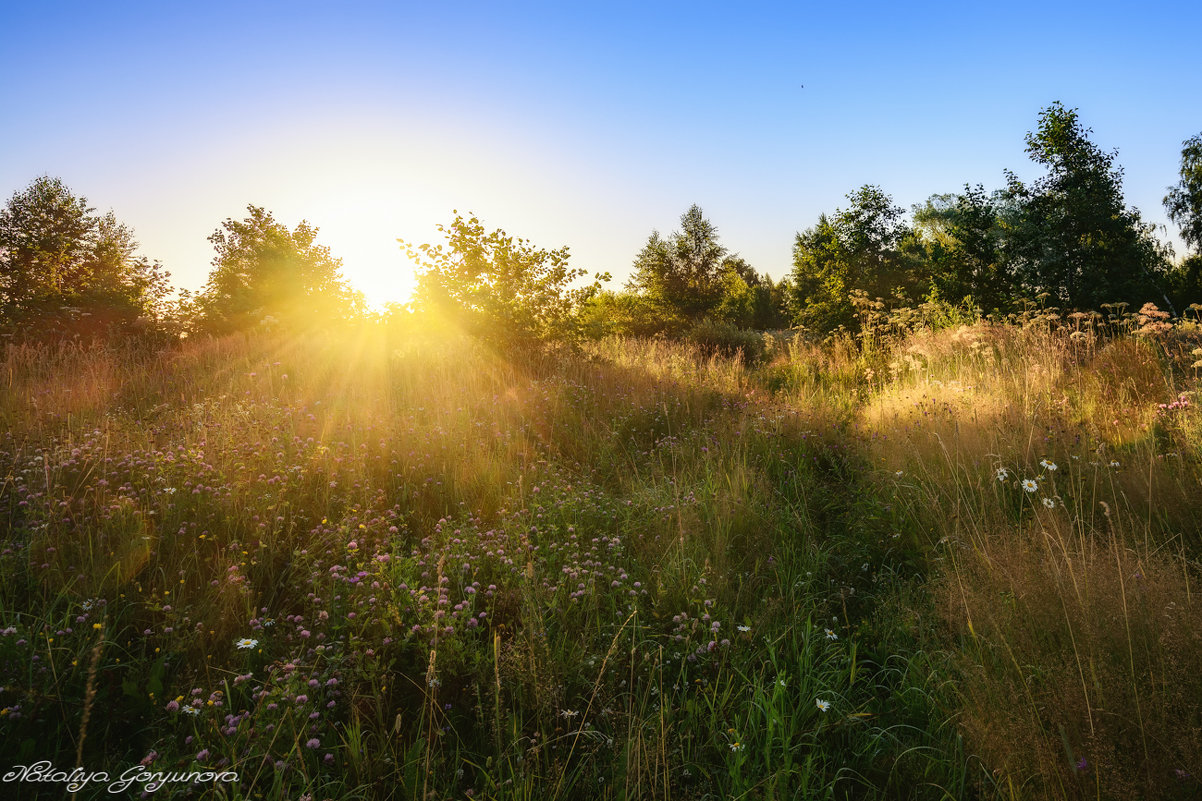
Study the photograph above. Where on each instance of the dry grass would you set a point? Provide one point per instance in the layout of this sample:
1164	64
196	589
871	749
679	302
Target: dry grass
1080	662
1072	605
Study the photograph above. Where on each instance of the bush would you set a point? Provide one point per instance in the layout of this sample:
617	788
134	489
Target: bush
726	339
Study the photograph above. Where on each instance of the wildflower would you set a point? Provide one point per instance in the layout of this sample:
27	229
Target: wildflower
191	710
822	705
1048	502
314	743
1082	764
1114	463
1002	474
743	629
1046	465
736	746
203	755
1029	484
246	643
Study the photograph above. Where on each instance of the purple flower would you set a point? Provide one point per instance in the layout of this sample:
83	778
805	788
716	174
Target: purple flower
1082	764
203	755
314	743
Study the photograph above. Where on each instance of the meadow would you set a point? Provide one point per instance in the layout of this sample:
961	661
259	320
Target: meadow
944	561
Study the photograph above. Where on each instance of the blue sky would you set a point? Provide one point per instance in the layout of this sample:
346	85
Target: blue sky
576	124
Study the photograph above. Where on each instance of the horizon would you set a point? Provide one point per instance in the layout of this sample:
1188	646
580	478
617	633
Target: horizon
568	126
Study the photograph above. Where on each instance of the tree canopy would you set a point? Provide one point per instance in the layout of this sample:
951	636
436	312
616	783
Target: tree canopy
857	249
1071	234
63	267
266	274
495	286
1184	201
681	276
1067	237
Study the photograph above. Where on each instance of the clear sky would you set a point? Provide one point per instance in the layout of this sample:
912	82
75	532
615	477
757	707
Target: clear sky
579	124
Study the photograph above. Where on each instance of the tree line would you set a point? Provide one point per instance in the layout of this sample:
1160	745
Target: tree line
1066	240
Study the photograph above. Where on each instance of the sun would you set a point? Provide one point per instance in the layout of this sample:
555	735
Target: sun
372	262
383	275
360	225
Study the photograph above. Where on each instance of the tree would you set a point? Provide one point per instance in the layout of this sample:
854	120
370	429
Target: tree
681	276
965	241
497	287
858	249
1070	234
1184	201
265	272
64	268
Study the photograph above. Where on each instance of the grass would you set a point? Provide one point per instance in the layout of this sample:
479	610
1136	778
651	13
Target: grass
386	564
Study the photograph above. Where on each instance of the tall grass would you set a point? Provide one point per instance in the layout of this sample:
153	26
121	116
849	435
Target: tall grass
362	564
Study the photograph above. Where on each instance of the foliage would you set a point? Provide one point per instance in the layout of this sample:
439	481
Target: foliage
1184	283
682	276
1070	233
63	268
865	247
1067	237
611	313
266	275
1184	201
966	240
727	339
499	288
